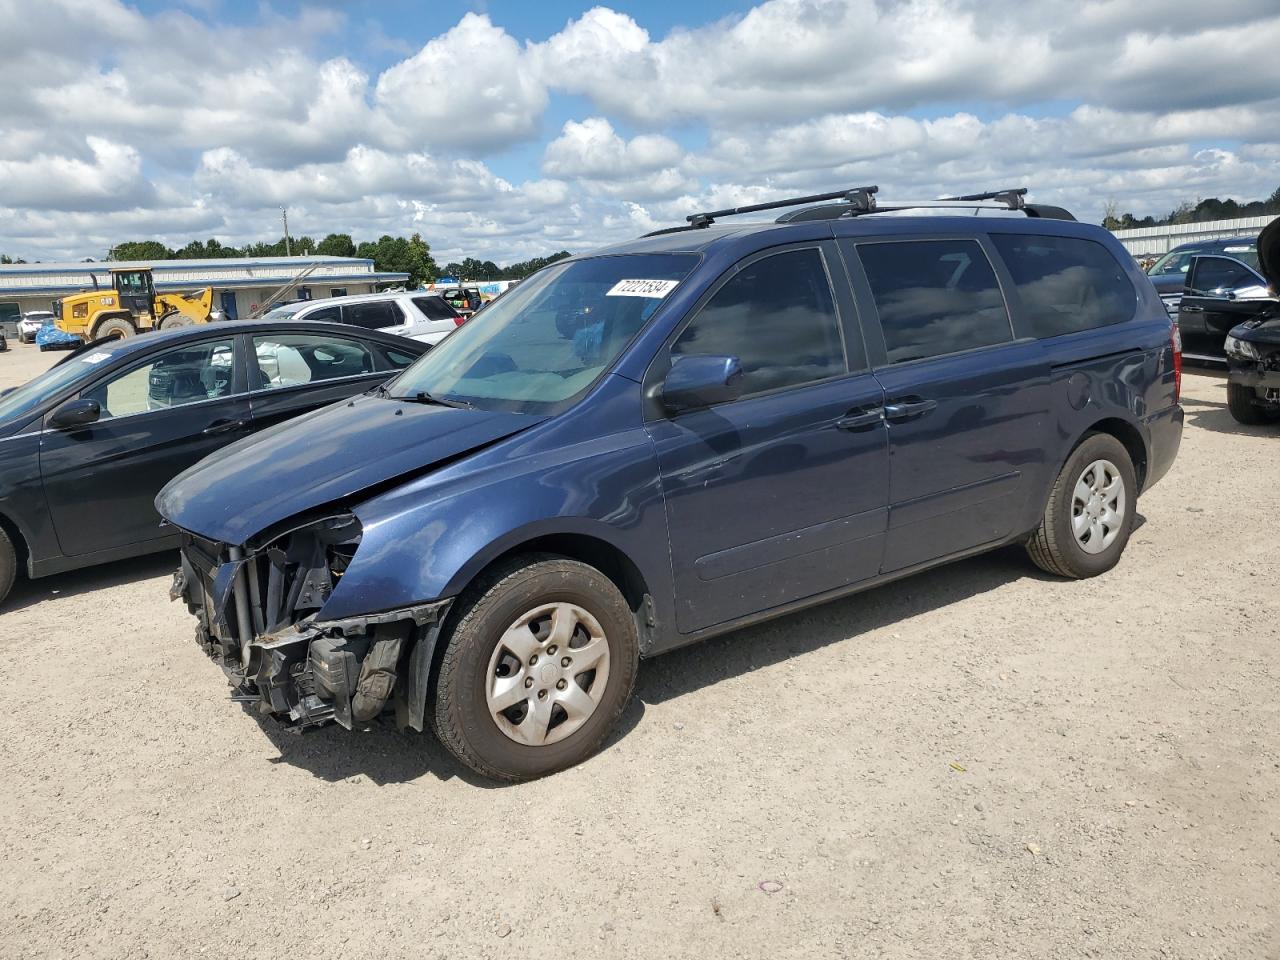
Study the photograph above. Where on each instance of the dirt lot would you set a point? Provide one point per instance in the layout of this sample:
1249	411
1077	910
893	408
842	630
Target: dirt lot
976	762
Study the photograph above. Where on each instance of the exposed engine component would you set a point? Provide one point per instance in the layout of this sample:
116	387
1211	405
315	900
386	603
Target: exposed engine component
257	609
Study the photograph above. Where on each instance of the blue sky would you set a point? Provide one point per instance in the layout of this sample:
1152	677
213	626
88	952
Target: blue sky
507	129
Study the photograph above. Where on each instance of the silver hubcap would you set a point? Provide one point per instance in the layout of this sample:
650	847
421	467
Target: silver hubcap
547	674
1097	506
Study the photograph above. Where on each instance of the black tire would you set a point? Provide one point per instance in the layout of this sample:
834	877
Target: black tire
1240	401
115	328
8	565
460	710
1053	547
175	321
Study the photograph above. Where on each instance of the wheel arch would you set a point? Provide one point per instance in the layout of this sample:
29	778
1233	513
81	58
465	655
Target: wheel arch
19	540
1132	439
587	547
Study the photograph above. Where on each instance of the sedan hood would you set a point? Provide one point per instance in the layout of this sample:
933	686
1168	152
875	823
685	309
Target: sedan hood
323	457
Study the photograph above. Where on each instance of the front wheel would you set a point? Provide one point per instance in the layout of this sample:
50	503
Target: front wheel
538	668
1241	401
1090	512
114	328
175	321
8	565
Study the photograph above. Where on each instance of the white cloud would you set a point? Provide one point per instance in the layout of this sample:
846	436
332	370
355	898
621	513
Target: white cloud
592	150
181	124
471	86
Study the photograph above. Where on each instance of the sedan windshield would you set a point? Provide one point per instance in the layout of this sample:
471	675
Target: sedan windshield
30	395
547	340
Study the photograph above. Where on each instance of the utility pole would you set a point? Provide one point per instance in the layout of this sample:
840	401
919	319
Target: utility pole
284	215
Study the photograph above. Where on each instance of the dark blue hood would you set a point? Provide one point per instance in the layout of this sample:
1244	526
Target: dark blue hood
325	456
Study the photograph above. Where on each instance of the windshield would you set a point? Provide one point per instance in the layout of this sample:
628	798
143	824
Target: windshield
549	339
31	394
282	313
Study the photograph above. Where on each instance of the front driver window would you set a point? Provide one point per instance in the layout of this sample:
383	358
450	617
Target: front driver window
188	374
777	316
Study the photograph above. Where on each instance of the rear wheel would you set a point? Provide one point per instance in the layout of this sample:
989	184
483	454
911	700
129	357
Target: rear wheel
1241	402
8	565
175	321
538	668
1090	512
114	328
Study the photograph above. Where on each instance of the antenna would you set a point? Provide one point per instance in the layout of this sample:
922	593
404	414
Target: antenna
284	215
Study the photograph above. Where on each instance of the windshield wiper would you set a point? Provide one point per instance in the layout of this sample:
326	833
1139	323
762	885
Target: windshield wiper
423	397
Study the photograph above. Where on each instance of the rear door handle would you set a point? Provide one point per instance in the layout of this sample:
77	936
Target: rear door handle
855	420
908	408
224	426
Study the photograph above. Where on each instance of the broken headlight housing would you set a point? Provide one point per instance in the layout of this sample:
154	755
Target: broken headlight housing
1238	349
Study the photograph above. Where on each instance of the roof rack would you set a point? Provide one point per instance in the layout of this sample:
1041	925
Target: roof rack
858	201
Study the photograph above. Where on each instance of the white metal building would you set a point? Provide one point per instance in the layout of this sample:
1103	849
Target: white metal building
239	283
1158	240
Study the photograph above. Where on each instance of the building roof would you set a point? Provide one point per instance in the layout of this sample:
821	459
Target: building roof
36	279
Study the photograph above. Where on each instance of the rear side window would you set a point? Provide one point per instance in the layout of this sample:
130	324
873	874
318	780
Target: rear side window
777	317
1218	276
434	308
1066	284
373	315
934	297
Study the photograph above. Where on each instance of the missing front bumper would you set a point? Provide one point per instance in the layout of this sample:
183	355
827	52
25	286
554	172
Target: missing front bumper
309	672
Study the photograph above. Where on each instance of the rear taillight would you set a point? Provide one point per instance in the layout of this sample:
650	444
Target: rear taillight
459	321
1175	339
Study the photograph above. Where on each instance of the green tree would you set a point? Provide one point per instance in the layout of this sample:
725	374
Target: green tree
398	255
336	245
209	249
140	250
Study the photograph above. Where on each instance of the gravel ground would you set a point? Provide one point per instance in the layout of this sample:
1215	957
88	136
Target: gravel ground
975	762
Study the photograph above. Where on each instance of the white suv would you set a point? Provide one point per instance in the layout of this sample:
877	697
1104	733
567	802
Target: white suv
415	314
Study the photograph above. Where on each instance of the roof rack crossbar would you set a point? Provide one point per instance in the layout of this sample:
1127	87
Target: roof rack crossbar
1013	198
859	198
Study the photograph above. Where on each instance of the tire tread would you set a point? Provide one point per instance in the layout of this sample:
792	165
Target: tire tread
485	592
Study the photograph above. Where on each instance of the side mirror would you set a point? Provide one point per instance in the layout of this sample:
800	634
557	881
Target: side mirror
700	381
75	413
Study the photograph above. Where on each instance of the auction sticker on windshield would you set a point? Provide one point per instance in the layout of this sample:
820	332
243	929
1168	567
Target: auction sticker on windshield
642	288
95	358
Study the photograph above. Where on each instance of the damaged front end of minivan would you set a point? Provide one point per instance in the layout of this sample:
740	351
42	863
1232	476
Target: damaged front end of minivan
258	609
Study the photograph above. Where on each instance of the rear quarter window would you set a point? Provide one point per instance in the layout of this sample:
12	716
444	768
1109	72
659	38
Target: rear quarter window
1066	284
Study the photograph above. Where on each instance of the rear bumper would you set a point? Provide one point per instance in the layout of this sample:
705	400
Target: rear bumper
1164	437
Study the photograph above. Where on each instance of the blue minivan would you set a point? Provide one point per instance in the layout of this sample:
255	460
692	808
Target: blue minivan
671	438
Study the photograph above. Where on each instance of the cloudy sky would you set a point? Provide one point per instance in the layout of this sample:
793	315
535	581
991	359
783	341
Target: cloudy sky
508	129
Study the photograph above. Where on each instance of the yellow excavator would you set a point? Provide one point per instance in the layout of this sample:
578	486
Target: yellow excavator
130	306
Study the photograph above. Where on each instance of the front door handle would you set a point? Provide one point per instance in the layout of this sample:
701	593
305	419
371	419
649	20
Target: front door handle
856	419
1191	308
224	426
905	409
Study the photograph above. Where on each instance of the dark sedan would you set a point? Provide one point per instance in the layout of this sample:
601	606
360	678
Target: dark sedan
86	446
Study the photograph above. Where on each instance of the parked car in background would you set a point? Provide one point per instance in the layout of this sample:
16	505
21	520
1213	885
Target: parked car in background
414	313
466	300
31	323
1220	292
86	446
669	439
1169	273
1252	347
